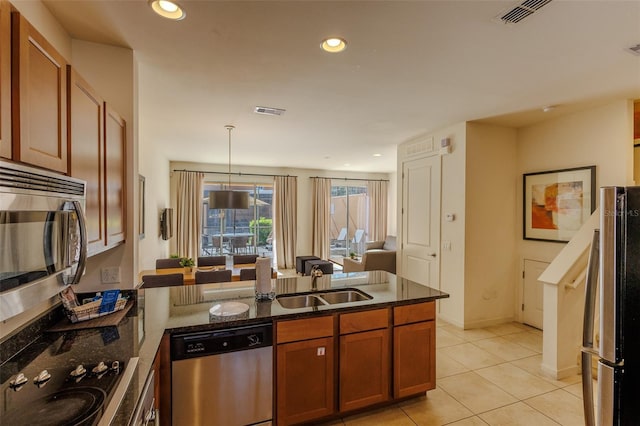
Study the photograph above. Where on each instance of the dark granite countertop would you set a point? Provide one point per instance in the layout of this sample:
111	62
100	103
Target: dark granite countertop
185	309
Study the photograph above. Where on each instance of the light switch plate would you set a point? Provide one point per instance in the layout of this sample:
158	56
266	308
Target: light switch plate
110	275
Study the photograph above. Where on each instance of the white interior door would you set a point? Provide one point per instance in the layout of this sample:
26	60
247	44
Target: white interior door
532	293
421	220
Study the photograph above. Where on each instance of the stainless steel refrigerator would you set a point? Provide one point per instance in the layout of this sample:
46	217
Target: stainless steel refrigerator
614	270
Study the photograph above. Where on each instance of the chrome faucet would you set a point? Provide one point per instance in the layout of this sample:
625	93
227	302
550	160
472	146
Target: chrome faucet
315	273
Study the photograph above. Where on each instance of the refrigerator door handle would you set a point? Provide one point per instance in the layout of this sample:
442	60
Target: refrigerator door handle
591	289
606	394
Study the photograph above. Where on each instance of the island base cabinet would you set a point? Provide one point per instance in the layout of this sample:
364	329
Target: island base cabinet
364	369
304	380
414	351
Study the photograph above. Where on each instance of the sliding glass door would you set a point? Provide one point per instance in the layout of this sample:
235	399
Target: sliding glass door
349	218
238	231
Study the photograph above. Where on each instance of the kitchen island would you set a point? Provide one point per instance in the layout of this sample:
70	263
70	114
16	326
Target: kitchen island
397	311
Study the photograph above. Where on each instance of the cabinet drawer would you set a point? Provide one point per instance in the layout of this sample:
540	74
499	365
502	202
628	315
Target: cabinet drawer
303	329
364	321
414	313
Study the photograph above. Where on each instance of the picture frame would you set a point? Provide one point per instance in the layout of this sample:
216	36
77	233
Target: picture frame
141	210
556	203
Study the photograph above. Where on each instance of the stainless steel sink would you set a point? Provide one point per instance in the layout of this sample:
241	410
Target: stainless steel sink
345	296
300	301
296	301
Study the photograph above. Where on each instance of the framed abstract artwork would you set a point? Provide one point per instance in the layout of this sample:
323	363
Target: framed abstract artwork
557	202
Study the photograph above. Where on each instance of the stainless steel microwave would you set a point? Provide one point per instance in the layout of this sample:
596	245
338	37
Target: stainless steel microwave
43	243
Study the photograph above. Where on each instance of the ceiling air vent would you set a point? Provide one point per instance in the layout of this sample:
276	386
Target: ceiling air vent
521	11
268	110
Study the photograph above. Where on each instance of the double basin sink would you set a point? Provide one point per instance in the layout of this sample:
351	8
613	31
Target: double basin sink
322	298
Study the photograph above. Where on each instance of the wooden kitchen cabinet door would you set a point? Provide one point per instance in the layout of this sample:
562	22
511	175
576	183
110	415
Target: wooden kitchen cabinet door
304	380
86	147
39	74
115	188
364	369
5	79
414	352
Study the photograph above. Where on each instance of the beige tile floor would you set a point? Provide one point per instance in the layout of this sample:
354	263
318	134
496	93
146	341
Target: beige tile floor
487	376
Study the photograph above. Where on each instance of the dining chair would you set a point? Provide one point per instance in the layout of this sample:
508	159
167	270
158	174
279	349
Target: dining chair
212	260
242	259
152	281
213	276
247	274
168	263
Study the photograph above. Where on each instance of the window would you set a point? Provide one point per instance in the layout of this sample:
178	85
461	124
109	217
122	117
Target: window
233	231
349	218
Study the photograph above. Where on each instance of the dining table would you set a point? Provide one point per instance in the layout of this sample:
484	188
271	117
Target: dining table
190	276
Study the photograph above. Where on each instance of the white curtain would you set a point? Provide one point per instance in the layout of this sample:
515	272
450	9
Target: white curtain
321	207
285	199
189	211
377	192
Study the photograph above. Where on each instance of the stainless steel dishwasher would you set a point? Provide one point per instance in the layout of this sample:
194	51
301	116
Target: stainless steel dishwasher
222	377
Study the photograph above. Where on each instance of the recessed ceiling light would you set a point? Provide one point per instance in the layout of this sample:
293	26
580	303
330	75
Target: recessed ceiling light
167	9
347	164
377	155
548	108
333	44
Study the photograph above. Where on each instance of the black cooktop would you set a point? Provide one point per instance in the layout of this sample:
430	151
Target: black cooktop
81	370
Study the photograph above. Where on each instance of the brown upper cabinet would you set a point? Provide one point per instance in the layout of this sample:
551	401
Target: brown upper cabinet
39	84
86	147
114	176
5	79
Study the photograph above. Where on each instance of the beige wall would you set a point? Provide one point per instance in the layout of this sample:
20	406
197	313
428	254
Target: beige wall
490	231
482	270
452	273
599	136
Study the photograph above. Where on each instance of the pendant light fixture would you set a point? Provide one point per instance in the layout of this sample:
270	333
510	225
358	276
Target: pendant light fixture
226	198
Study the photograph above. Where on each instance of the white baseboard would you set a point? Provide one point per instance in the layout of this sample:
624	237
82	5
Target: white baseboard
561	373
487	322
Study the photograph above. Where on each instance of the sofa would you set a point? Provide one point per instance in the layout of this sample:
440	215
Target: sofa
378	256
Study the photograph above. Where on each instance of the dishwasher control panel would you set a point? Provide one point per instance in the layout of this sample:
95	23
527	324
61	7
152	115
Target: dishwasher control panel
190	345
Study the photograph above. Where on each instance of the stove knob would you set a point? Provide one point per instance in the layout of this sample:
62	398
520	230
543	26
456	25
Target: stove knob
79	371
100	368
42	378
16	384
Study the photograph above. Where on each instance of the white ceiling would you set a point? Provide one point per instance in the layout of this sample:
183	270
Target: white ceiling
410	67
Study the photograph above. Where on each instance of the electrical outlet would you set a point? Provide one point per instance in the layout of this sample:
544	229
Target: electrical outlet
110	275
446	245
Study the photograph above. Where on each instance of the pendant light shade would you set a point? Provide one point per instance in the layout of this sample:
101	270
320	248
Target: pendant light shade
226	198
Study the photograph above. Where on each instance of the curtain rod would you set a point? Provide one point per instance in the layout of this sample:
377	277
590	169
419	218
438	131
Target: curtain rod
345	178
233	173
